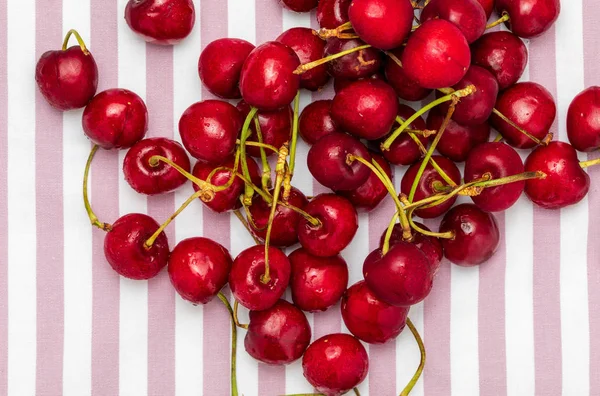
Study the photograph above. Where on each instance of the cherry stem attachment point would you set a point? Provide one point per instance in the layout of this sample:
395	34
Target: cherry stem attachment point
504	18
235	316
79	40
204	186
88	207
419	371
290	172
324	33
587	164
311	65
234	389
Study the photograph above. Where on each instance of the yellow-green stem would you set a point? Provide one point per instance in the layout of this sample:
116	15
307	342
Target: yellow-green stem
518	128
235	316
500	20
311	65
419	371
433	162
443	235
79	40
234	389
587	164
248	191
265	180
287	181
86	202
261	145
388	234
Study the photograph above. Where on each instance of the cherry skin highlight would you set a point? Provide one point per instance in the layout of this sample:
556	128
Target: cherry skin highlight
404	150
369	195
529	18
316	121
476	235
332	13
198	269
359	64
220	65
382	23
159	21
405	87
583	120
468	15
149	179
115	119
317	283
275	127
299	5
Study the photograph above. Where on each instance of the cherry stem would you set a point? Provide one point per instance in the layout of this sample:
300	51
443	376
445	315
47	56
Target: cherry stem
234	389
79	40
388	233
287	186
324	33
409	387
435	165
244	222
443	235
260	145
311	65
207	188
586	164
394	58
498	138
518	128
235	316
248	192
88	208
503	18
265	180
509	179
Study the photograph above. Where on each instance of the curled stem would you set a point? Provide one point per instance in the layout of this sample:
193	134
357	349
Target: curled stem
504	18
234	389
235	316
88	207
79	40
311	65
409	387
443	235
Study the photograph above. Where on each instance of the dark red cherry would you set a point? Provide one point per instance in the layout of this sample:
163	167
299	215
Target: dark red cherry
405	87
339	222
476	235
220	65
382	23
328	162
209	130
437	55
267	80
369	318
317	283
247	271
583	120
355	65
198	269
425	188
125	247
503	54
316	121
404	150
531	107
402	277
529	18
372	192
151	179
488	7
565	182
277	335
341	83
275	127
335	363
115	119
467	15
67	79
498	160
332	13
299	5
164	22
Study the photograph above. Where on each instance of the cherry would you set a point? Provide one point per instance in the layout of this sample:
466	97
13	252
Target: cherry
151	179
115	118
267	80
126	251
355	65
245	278
498	160
220	65
277	335
437	55
198	269
404	150
316	121
476	235
299	5
163	22
382	23
275	127
531	107
529	18
425	188
503	54
209	130
458	140
332	13
369	318
405	87
341	83
468	15
566	183
335	363
373	191
583	120
317	283
339	222
488	7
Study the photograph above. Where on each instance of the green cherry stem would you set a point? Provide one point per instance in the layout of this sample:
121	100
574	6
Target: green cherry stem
518	128
235	316
234	389
248	192
356	392
287	186
414	226
261	145
587	164
324	33
394	58
265	180
311	65
435	165
503	18
409	387
79	40
86	201
388	234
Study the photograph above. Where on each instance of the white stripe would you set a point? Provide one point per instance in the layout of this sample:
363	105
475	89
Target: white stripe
241	20
407	353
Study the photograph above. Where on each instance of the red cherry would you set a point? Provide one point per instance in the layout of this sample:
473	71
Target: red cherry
529	18
355	65
299	5
405	87
530	106
404	151
382	23
565	182
335	363
220	65
332	13
341	83
267	80
155	179
277	335
317	283
437	55
163	22
488	7
583	120
476	235
498	160
115	118
316	122
198	269
125	249
245	278
372	192
209	130
339	222
467	15
369	318
275	127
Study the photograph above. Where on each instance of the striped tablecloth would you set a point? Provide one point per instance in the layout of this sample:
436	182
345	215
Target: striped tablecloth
525	323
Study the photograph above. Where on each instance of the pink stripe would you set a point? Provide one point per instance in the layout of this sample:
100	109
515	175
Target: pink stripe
161	295
492	341
3	203
105	188
49	216
546	248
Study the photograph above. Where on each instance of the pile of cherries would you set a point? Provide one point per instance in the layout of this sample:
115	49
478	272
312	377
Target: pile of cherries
376	52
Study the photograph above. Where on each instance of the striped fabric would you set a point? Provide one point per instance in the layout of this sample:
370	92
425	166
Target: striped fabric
526	323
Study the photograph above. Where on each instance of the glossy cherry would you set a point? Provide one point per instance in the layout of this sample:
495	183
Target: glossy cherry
164	22
198	269
583	120
115	119
317	283
220	65
341	83
335	363
476	235
355	65
529	18
316	121
332	13
125	249
488	7
404	150
384	24
468	15
275	127
405	87
150	179
339	223
299	5
372	192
